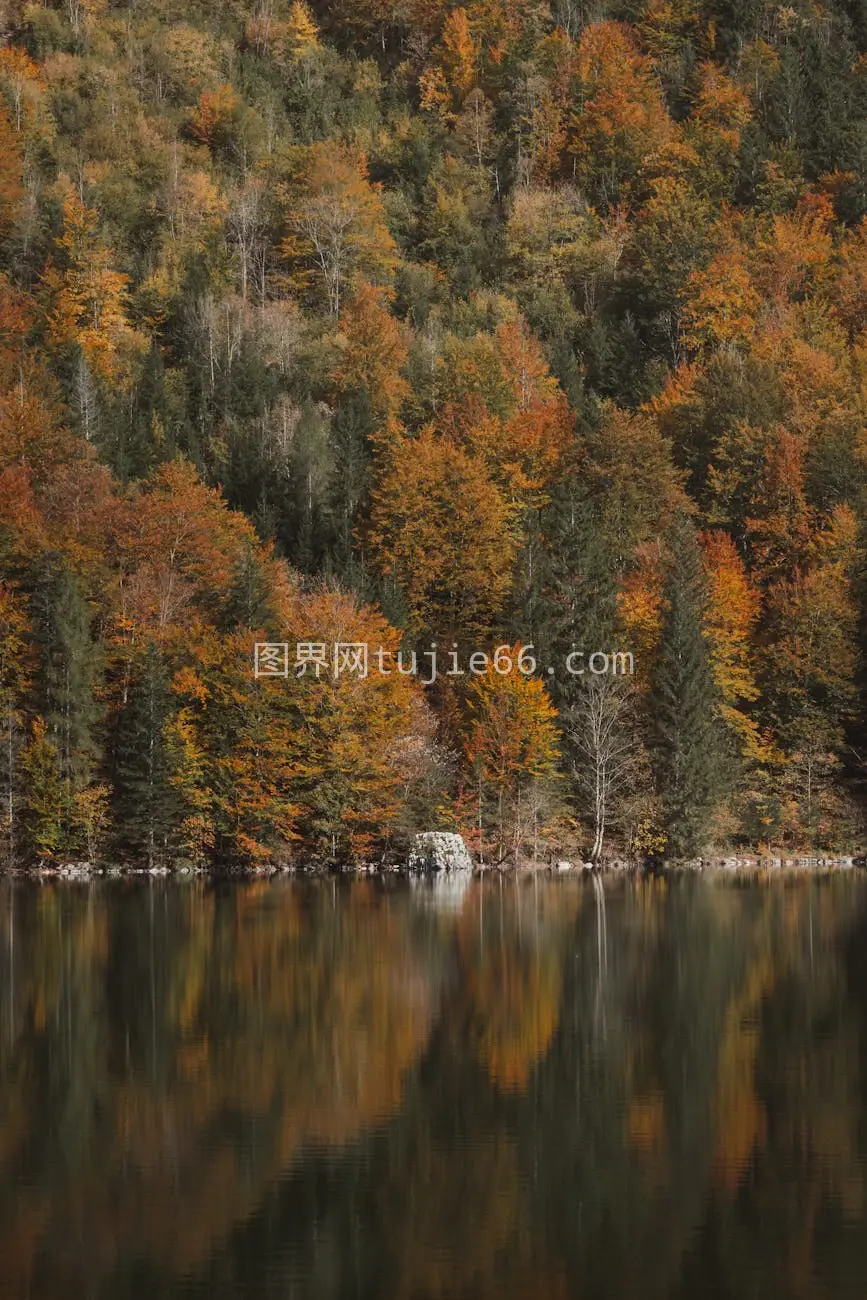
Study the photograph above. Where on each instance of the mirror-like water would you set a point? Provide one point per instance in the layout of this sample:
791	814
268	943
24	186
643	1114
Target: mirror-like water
521	1090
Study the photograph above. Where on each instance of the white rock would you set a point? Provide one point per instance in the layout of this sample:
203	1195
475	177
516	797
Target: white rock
439	851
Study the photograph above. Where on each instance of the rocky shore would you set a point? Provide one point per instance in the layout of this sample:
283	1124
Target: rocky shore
439	852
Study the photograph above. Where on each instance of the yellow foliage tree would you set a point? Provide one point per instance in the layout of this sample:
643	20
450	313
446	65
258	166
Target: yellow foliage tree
337	227
730	621
441	528
88	296
372	352
621	117
512	746
722	304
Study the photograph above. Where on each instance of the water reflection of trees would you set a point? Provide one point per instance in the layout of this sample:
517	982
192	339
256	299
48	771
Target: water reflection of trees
167	1055
332	1092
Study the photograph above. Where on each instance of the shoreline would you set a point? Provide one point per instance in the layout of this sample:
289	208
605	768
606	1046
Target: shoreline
740	865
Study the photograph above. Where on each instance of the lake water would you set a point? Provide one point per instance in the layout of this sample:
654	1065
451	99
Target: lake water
517	1090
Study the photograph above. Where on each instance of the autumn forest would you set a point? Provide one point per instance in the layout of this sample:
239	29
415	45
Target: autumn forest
518	324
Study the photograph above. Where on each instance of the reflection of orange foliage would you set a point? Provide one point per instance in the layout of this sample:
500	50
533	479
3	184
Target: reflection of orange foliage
279	1012
645	1122
511	1000
741	1119
442	1253
512	1049
192	1059
18	1248
744	1128
357	1016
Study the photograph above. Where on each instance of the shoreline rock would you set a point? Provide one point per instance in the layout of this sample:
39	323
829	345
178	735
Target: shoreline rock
433	851
436	852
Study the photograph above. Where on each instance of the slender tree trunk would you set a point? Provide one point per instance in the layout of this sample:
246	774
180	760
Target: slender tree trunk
10	753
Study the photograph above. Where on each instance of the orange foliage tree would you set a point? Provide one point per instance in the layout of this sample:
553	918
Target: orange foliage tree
620	118
732	615
371	354
512	747
11	187
442	530
337	230
88	297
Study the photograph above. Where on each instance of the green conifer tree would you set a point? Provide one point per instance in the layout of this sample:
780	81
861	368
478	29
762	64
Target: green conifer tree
43	803
145	803
690	759
248	602
69	664
602	736
581	603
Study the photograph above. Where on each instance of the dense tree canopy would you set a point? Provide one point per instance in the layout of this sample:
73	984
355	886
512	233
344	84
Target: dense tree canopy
404	323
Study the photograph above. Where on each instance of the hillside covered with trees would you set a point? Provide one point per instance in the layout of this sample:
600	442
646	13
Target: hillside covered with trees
514	324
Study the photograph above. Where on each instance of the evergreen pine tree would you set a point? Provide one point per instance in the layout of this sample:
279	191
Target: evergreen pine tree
248	603
139	425
44	799
690	759
352	427
581	606
528	616
601	737
145	803
69	661
306	528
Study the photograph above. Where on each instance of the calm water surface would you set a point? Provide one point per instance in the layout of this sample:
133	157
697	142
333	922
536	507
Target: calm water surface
364	1091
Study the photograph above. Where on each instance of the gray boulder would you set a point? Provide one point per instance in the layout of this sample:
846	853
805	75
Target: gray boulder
439	851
